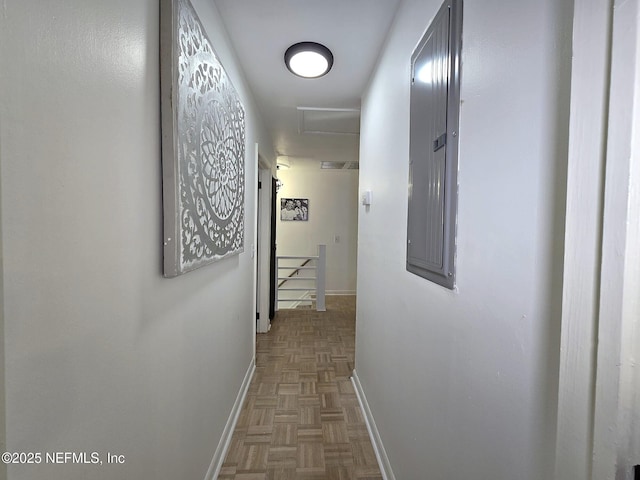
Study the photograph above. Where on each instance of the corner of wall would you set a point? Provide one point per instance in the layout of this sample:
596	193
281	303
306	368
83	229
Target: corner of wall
265	139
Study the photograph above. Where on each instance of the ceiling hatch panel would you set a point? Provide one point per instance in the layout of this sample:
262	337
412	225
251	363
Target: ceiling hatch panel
336	121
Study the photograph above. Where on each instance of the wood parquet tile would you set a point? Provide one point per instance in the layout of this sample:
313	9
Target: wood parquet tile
301	419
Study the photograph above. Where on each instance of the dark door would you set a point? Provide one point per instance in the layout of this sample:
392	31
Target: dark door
257	250
272	260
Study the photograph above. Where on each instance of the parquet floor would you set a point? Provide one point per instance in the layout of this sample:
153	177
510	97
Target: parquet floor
301	419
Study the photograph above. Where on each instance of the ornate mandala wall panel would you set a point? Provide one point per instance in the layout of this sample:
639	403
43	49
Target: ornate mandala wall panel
203	147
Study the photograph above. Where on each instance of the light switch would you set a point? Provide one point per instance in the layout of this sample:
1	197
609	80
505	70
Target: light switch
366	198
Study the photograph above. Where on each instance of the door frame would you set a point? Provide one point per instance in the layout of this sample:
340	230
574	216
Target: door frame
616	428
596	426
263	243
273	274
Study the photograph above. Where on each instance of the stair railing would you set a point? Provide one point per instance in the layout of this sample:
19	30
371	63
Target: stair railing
313	269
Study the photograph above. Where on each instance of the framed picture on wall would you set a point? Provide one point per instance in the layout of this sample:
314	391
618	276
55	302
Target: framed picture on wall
292	209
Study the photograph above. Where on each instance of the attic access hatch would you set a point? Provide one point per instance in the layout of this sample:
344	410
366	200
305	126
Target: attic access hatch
433	149
335	121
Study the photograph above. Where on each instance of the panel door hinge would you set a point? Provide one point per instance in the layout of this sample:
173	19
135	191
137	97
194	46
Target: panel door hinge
257	315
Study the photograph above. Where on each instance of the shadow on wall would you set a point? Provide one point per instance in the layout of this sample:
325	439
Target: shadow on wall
556	206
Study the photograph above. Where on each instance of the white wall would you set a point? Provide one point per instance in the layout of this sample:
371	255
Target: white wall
102	353
333	211
3	438
463	384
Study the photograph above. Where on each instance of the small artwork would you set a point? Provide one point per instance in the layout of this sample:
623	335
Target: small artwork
203	146
294	209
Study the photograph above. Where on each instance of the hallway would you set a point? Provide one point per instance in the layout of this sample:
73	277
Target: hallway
301	418
527	369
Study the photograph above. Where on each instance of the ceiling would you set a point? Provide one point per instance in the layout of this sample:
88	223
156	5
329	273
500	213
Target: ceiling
354	30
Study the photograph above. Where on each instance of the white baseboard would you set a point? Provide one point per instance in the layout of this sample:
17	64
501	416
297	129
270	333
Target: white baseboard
225	440
376	441
340	292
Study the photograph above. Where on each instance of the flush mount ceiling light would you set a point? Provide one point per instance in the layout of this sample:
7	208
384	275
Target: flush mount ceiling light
308	59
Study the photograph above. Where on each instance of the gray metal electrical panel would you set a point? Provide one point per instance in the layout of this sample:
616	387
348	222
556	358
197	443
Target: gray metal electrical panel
433	183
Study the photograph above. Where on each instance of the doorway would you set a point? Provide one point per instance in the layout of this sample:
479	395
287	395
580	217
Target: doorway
317	209
265	246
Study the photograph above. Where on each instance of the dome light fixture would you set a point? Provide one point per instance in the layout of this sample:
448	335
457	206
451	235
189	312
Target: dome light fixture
308	59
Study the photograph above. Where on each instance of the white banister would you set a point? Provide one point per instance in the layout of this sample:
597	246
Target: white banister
277	289
314	271
321	272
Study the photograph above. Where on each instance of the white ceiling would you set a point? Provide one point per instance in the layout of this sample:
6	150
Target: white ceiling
261	31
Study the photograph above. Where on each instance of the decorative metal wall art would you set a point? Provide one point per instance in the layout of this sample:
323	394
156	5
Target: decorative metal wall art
203	147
